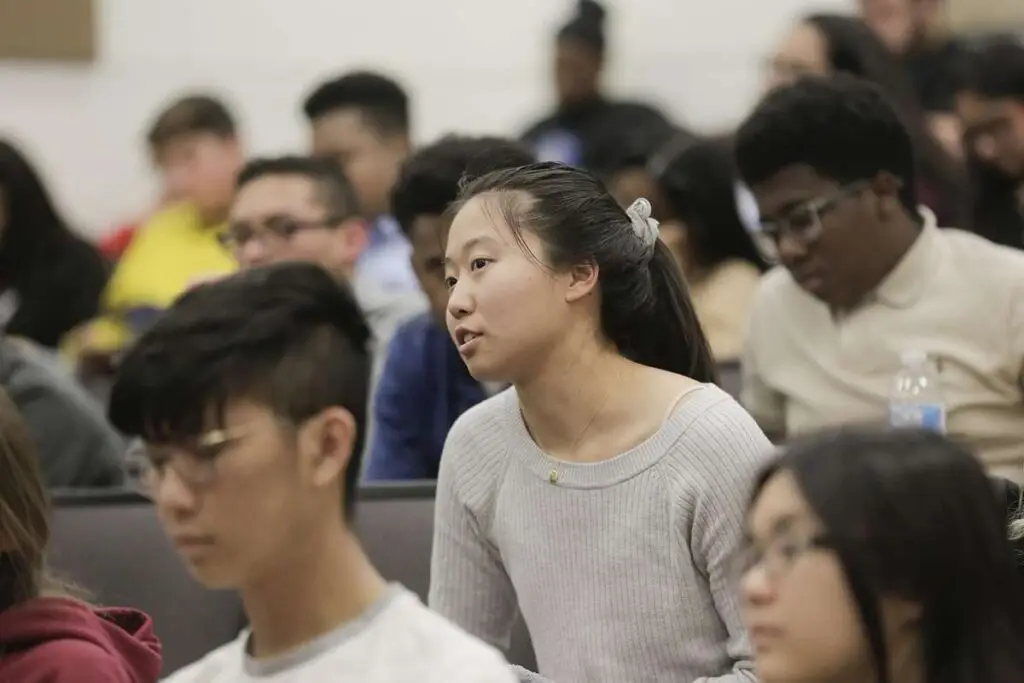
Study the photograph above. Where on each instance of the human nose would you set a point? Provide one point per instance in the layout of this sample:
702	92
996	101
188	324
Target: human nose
460	299
171	492
985	147
756	587
253	251
791	247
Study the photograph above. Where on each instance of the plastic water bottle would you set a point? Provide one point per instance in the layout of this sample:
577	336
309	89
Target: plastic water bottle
916	398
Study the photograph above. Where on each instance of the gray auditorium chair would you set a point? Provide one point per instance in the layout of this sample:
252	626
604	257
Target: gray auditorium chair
111	544
395	523
729	378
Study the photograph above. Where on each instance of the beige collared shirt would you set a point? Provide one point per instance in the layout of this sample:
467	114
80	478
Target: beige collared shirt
954	295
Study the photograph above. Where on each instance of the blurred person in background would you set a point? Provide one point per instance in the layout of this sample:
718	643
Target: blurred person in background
77	446
425	385
305	209
51	279
868	276
697	179
991	108
585	121
47	634
115	242
250	394
880	556
822	44
362	121
628	174
196	149
916	31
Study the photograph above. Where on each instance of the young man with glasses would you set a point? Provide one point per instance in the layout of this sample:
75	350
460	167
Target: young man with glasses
250	397
305	209
990	105
868	276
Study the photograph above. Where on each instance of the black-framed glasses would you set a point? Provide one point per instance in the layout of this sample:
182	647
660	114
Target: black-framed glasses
803	222
277	229
194	464
777	557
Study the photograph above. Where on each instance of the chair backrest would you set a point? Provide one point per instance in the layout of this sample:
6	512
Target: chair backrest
395	523
729	378
111	543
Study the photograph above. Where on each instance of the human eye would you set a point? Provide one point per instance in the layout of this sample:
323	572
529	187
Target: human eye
449	282
283	226
478	263
802	219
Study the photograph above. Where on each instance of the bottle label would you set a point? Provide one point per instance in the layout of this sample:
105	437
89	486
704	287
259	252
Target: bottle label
929	416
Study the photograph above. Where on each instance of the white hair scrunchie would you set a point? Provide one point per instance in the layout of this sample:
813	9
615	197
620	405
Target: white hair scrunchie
645	227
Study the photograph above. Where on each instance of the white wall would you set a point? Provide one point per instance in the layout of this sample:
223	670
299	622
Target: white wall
471	65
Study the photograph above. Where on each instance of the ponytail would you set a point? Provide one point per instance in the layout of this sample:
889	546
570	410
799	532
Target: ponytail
665	332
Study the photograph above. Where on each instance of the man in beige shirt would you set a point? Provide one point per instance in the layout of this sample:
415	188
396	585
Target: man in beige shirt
867	276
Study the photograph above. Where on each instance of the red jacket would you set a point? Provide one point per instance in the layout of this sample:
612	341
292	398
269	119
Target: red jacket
58	640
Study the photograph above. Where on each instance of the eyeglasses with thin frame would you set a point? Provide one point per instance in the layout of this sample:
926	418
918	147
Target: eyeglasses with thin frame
803	222
779	556
276	229
195	465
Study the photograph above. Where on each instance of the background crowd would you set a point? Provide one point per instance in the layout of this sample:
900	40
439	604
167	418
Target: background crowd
852	249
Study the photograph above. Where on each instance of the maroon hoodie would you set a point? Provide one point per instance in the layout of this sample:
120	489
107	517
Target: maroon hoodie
58	640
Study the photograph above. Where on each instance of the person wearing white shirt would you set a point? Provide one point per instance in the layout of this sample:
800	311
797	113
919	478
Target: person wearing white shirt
249	396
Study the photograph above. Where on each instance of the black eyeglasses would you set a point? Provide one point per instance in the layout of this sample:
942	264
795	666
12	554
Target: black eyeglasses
275	229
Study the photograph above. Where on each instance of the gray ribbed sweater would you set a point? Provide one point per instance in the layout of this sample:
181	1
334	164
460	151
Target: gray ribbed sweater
620	568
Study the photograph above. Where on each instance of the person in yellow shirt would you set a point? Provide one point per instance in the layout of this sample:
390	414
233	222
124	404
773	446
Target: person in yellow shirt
195	146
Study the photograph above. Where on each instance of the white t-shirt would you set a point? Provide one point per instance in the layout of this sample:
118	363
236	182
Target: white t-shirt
397	640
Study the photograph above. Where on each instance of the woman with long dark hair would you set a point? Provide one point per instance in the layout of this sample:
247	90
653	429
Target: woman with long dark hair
601	495
881	557
46	634
51	280
821	44
697	179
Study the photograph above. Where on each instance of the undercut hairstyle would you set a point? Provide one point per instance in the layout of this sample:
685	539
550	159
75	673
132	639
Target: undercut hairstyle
841	126
994	68
191	115
381	101
431	178
334	190
286	336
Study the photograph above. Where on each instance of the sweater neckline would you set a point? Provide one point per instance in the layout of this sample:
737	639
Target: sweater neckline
615	470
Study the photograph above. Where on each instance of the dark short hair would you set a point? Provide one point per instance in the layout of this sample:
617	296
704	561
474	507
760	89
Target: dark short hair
287	336
334	189
190	115
430	179
994	68
841	126
912	515
381	101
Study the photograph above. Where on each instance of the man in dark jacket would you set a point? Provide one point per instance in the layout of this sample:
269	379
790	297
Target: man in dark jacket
77	446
